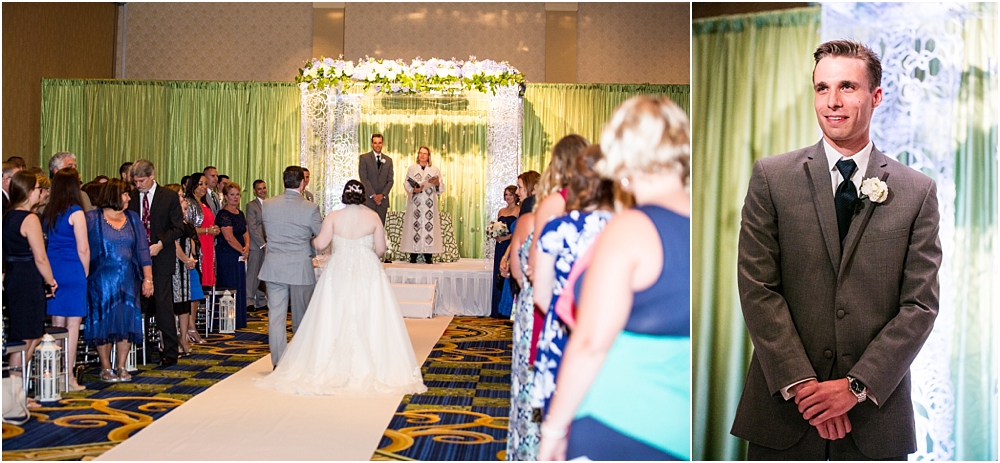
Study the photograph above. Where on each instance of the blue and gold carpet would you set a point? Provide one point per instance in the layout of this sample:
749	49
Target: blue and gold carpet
462	416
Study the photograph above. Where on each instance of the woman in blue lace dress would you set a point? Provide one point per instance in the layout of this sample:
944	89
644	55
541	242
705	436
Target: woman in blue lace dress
625	382
232	251
120	270
69	255
589	204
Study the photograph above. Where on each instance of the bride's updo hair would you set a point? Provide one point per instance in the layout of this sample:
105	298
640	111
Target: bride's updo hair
354	193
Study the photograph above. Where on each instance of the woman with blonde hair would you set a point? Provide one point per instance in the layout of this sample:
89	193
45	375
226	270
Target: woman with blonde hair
628	359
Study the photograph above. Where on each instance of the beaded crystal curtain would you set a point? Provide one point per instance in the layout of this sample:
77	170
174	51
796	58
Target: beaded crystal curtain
921	48
475	136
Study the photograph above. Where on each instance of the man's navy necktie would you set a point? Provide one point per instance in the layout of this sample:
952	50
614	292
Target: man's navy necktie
845	197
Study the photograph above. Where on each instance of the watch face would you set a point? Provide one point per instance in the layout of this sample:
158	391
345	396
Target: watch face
856	386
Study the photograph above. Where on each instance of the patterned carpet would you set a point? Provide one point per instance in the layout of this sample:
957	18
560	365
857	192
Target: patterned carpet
463	416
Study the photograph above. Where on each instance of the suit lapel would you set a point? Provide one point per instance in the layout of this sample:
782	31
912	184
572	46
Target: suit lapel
817	171
876	164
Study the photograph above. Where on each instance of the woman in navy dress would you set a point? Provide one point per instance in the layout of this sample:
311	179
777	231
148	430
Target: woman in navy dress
26	266
69	255
627	365
231	251
507	215
120	270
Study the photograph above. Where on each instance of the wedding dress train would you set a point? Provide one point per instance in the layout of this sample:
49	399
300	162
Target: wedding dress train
352	339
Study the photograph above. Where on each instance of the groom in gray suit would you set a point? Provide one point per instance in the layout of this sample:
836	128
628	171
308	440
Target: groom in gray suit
291	223
837	280
375	170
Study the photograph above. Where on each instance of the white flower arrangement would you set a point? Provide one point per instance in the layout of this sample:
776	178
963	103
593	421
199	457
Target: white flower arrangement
497	229
875	190
434	75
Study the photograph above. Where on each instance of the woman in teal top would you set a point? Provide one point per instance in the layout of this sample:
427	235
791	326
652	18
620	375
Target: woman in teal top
624	381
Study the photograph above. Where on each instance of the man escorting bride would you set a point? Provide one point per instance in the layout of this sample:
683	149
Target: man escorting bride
352	339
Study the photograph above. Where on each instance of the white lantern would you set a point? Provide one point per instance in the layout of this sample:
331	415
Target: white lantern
48	360
227	313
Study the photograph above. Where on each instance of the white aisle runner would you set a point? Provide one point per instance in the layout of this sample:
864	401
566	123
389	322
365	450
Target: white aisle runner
236	420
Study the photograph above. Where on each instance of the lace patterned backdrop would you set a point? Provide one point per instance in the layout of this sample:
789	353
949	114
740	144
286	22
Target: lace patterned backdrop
921	48
330	146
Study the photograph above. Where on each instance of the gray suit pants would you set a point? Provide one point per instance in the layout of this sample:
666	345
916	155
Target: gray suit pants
278	296
255	296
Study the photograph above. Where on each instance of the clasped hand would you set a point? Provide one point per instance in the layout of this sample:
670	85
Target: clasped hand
825	405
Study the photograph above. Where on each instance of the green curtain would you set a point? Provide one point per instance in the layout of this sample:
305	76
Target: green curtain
747	105
552	111
248	130
454	129
974	270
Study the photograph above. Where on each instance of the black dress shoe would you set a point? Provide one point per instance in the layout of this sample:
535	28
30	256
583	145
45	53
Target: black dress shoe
168	362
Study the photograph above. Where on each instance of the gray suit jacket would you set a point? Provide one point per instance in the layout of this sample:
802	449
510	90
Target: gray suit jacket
291	223
376	180
813	311
255	225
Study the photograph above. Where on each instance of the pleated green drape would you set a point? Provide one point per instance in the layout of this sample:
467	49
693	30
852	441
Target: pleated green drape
251	130
747	105
248	130
552	111
974	270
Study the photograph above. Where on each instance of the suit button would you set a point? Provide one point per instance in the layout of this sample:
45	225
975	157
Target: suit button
828	354
841	313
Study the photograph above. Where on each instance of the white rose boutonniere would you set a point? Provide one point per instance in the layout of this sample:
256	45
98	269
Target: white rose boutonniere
874	189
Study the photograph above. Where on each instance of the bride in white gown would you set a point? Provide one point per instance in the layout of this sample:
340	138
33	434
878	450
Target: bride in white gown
352	339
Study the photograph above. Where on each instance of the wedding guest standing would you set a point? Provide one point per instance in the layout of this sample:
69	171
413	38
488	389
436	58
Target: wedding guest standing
506	215
69	256
200	216
552	186
628	363
28	277
120	271
589	204
422	221
522	436
184	285
160	211
233	249
258	241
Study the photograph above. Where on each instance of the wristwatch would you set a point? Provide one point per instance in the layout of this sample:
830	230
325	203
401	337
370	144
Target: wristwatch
857	388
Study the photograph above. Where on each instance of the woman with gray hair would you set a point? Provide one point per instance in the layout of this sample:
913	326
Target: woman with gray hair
628	361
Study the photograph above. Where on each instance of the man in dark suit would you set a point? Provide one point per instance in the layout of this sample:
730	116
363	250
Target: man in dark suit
837	272
375	172
160	211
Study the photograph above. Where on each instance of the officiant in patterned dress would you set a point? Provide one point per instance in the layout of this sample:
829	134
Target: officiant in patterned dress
422	222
